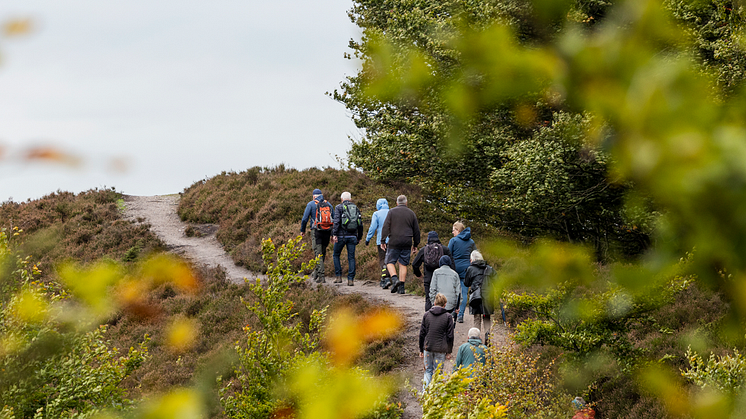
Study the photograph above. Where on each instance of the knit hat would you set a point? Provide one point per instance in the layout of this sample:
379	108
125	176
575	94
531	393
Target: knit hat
444	260
316	192
432	237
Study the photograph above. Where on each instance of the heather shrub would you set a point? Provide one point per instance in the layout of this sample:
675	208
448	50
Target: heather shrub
265	202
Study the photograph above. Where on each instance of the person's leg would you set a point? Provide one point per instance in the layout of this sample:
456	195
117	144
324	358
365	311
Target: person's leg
487	323
462	306
439	359
315	248
402	271
335	256
323	238
351	243
428	303
478	321
429	369
382	264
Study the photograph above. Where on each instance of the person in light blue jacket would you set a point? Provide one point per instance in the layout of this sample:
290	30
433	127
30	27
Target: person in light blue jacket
376	225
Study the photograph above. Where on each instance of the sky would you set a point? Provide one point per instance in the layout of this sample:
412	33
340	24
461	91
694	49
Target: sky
152	96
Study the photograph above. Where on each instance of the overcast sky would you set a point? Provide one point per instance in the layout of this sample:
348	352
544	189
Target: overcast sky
179	91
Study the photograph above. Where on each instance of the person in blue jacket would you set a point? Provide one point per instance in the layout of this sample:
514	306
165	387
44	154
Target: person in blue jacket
376	225
461	246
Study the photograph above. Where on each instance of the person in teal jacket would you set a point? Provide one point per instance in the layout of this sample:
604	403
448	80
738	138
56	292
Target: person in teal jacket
376	225
471	352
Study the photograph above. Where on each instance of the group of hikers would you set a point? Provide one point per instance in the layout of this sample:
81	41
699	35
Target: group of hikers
454	276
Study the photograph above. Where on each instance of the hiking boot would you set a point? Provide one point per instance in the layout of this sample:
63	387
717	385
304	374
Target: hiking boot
396	281
460	319
350	283
386	283
322	280
338	280
401	288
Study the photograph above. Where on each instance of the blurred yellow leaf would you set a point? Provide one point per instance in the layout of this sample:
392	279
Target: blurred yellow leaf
347	332
381	324
93	285
17	27
178	404
30	307
165	268
182	334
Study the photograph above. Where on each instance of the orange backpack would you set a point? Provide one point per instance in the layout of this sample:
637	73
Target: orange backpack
324	215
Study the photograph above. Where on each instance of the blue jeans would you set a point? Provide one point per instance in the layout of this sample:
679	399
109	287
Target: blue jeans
433	360
464	297
350	242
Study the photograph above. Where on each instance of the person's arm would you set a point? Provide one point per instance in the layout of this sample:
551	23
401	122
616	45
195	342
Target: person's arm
459	358
449	334
335	226
306	217
386	230
469	276
418	259
360	226
415	232
433	287
372	228
423	332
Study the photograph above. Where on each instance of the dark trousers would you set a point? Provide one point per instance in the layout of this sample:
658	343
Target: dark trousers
341	243
428	303
320	242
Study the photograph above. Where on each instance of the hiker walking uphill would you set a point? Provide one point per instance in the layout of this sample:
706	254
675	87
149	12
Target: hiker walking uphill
436	338
399	237
321	216
472	352
478	280
461	246
429	258
346	232
376	226
445	281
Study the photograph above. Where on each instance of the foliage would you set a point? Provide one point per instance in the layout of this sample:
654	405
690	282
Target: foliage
519	161
279	369
450	397
725	373
272	350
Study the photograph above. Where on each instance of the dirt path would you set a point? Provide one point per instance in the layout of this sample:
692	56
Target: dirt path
160	212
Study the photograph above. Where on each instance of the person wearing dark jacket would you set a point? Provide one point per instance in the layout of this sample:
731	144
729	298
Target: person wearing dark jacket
477	278
461	246
343	237
399	237
419	260
319	237
436	338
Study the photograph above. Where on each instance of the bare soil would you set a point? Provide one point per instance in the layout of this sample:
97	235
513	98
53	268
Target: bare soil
160	212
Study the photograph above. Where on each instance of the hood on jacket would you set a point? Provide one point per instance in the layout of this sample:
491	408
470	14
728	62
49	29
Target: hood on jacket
381	204
438	310
475	341
479	263
444	260
465	235
320	198
432	237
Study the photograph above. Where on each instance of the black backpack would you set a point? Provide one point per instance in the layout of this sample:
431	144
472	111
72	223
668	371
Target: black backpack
351	218
433	253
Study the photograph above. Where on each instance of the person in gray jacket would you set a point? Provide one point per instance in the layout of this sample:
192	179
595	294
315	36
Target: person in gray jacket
446	281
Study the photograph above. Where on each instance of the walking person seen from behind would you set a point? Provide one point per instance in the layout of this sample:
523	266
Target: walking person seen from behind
461	246
399	237
376	226
472	352
436	338
319	213
346	233
445	281
478	279
429	259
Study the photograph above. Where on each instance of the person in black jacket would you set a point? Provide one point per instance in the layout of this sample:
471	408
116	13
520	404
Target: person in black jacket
477	278
344	237
399	237
436	338
419	260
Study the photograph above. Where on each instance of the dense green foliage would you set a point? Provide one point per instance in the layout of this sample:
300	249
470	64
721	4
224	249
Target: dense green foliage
519	161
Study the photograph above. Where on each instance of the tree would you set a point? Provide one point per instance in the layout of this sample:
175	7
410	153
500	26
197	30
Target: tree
430	136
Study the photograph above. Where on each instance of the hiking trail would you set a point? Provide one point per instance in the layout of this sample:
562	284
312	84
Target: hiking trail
160	212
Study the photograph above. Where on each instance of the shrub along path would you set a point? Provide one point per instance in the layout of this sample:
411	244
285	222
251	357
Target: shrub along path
160	212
